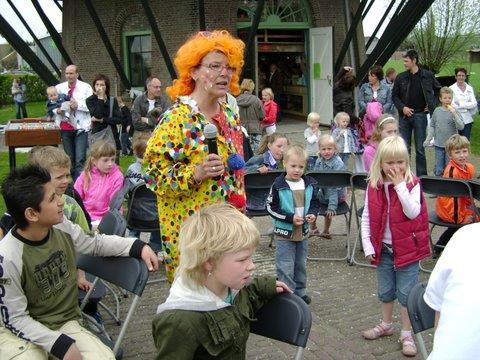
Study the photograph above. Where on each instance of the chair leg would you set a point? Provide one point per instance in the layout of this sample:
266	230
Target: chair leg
353	261
115	297
299	353
89	292
421	345
123	329
428	271
110	312
347	245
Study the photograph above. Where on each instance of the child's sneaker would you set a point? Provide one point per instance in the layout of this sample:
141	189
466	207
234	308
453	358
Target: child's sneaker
378	331
408	346
307	299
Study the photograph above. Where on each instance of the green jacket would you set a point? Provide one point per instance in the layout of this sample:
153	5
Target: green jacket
219	334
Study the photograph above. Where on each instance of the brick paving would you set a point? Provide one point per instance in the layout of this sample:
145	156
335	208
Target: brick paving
344	301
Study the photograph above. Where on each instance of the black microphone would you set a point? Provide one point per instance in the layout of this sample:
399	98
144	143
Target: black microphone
211	133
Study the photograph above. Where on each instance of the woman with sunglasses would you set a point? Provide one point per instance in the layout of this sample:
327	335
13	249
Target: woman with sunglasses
179	167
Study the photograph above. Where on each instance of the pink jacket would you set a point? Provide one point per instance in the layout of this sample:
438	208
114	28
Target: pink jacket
369	154
100	190
271	110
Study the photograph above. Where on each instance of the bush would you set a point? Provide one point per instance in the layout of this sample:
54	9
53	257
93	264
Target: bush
35	87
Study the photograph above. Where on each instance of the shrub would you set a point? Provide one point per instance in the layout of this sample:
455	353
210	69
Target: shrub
35	87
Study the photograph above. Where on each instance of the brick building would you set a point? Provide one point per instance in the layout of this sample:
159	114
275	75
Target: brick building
303	37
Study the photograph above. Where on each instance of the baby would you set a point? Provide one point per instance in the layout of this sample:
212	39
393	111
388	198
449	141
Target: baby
58	106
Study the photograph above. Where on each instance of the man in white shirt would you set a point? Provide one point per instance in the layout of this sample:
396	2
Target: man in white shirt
453	291
75	128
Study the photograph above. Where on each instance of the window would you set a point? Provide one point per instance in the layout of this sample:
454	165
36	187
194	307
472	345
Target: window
138	53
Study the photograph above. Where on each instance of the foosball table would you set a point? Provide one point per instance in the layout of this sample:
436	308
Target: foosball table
29	132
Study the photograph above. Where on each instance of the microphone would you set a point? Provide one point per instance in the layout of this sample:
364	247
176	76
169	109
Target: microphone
211	133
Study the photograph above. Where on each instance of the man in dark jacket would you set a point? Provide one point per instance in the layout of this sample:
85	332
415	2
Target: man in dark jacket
415	94
151	101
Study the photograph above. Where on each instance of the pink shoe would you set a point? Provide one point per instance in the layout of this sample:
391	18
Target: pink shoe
408	346
378	331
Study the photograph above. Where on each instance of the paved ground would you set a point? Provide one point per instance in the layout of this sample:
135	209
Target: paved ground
344	301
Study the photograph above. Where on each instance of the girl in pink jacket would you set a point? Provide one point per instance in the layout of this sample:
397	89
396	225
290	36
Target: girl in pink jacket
271	111
385	126
100	180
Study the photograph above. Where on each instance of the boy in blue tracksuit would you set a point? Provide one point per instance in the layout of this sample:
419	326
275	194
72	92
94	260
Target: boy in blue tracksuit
293	205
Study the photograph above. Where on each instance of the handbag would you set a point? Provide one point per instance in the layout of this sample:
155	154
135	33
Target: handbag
104	134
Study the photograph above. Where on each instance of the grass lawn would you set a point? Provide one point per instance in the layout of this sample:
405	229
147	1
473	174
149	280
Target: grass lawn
34	109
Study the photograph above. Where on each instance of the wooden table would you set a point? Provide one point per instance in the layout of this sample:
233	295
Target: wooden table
29	132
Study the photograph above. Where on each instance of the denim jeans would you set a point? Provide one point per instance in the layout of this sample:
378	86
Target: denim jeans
345	158
21	110
467	130
75	145
291	263
395	283
154	236
125	142
441	160
311	162
418	124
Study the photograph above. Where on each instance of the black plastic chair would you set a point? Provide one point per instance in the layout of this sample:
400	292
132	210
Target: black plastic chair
128	273
422	316
258	185
335	179
285	318
439	186
112	223
475	188
358	182
142	194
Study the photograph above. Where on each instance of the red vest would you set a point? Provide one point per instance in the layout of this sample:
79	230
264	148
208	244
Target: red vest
410	238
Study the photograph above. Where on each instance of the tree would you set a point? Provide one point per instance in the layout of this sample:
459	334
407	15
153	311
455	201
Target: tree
446	30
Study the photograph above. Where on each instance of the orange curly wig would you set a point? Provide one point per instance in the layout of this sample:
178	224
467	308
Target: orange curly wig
190	55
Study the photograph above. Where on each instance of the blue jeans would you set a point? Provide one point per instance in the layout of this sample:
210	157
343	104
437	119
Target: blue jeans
395	283
291	263
418	124
345	158
154	236
75	145
441	160
467	130
21	110
311	162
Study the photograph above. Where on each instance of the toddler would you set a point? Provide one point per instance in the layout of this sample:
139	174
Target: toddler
311	134
100	180
385	126
445	122
271	111
394	234
457	210
127	128
328	160
293	205
214	296
58	106
347	140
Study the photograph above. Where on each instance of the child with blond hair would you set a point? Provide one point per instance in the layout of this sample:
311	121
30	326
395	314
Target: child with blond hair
213	285
348	141
385	126
312	134
269	122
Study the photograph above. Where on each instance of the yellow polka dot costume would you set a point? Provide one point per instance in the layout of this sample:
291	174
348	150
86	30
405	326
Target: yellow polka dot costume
175	148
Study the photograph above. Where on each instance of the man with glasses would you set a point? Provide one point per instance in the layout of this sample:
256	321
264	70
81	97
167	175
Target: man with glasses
148	107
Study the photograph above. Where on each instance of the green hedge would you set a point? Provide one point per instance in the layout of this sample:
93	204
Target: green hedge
35	87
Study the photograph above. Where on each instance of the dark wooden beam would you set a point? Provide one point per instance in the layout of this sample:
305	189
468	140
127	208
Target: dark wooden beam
25	52
108	45
380	23
57	39
161	44
58	5
367	9
248	69
34	37
201	14
350	34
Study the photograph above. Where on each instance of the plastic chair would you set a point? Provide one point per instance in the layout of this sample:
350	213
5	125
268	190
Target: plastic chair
112	223
358	182
258	185
285	318
127	273
422	316
142	194
335	179
443	187
475	188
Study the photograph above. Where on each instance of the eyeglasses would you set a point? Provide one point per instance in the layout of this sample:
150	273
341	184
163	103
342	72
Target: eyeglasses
217	67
